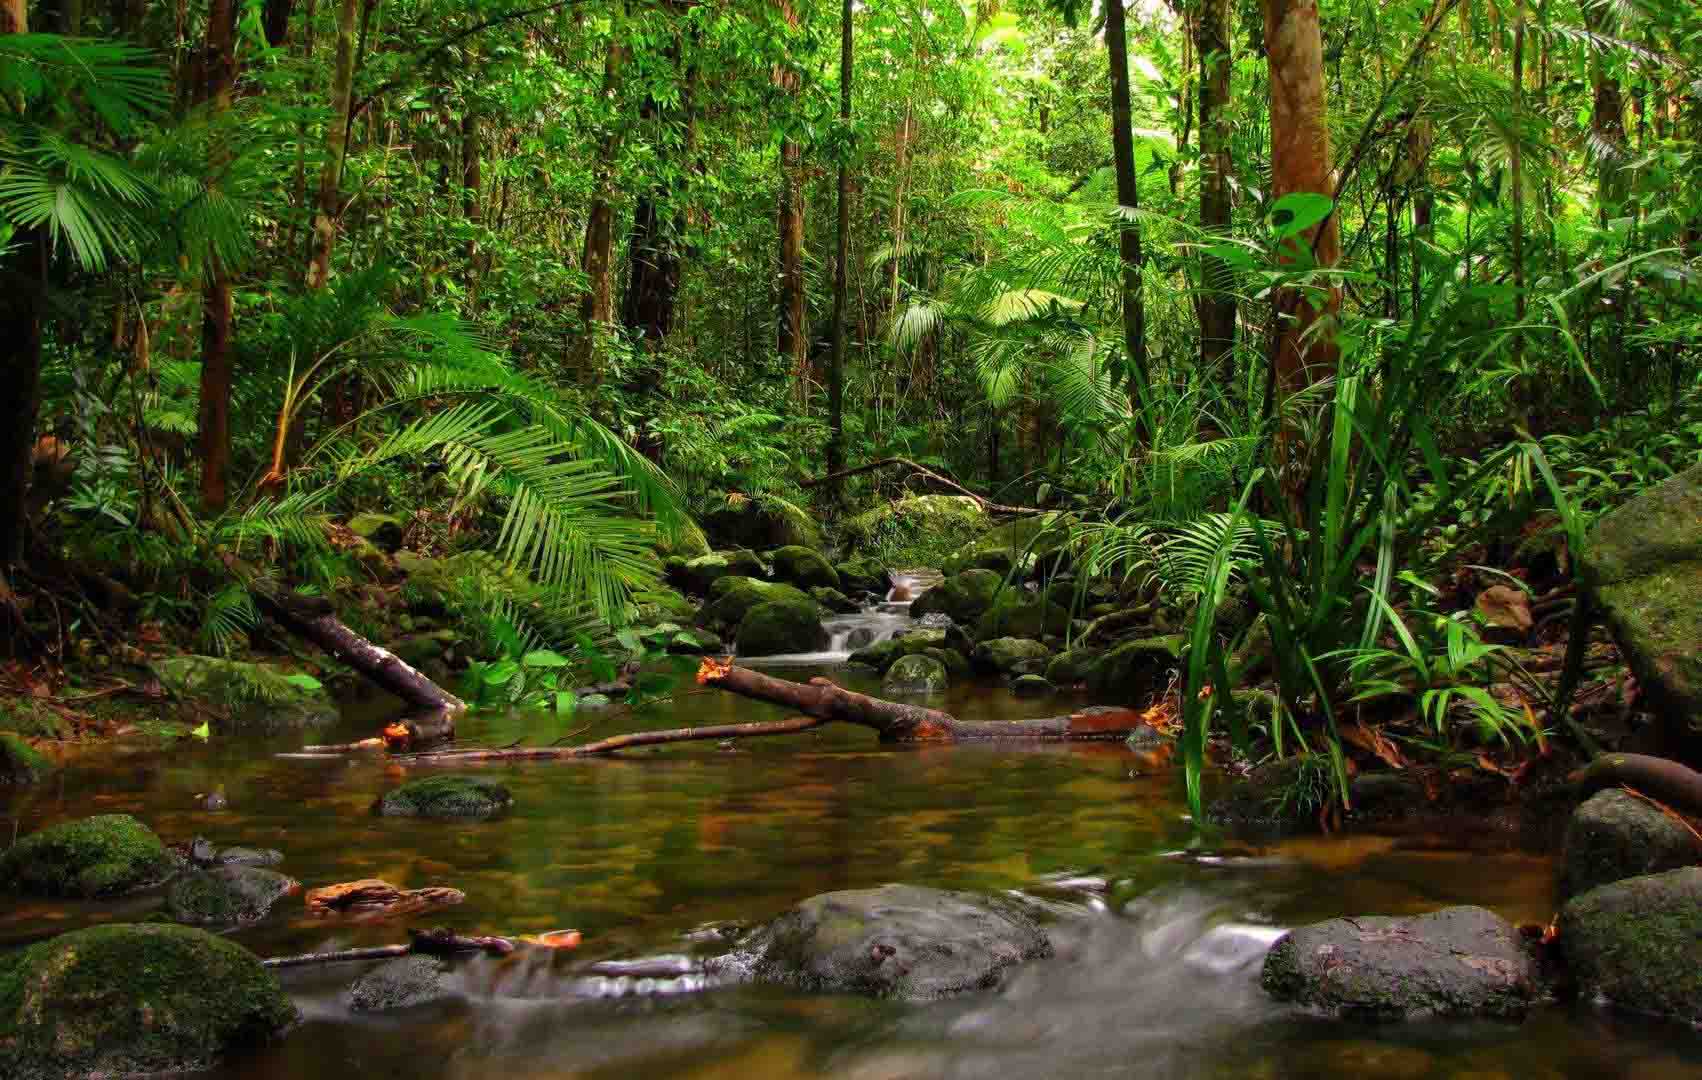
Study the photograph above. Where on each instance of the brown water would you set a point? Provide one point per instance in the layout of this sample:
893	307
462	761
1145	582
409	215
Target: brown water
1160	927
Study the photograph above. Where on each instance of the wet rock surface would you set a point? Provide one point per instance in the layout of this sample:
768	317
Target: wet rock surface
1615	835
1637	943
446	797
106	855
898	941
227	895
916	674
403	983
1460	961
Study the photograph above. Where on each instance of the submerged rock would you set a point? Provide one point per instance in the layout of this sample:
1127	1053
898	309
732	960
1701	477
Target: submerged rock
21	763
246	697
402	983
1615	835
227	895
1638	943
1004	655
1460	961
1031	686
963	597
804	567
781	626
916	674
107	855
446	797
1643	561
121	1000
898	941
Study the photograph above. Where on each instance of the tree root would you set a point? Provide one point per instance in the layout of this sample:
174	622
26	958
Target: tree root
1676	785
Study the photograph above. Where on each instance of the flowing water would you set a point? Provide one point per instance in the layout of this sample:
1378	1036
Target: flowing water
1160	926
877	622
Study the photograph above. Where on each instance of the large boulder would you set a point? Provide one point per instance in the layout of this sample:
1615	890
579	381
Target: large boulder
916	674
21	763
803	567
897	941
1132	672
762	522
1460	961
122	1000
700	574
402	983
1638	943
106	855
247	697
1071	666
883	654
1615	835
1018	613
1029	540
446	797
929	521
1643	562
781	626
731	597
863	574
1011	655
962	597
227	895
835	601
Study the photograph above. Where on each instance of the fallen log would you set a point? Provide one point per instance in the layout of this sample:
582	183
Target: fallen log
615	743
984	503
434	942
1672	783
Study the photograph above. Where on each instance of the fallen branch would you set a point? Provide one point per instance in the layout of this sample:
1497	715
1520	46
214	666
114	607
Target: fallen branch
1668	781
790	726
437	942
986	504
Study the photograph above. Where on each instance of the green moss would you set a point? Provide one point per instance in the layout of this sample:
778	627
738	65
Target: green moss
446	797
1031	539
1071	666
882	654
922	530
963	596
917	673
863	573
21	763
804	567
731	597
1009	655
781	626
1132	672
1638	942
655	605
252	697
1020	614
763	521
30	719
132	999
96	856
226	895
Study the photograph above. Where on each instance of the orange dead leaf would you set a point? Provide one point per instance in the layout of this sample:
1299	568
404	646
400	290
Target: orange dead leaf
555	939
712	669
396	735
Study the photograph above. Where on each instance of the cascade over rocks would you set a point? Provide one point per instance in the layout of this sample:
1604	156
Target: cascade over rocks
897	941
1460	961
1643	565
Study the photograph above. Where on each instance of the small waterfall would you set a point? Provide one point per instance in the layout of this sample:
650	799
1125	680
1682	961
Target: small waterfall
877	622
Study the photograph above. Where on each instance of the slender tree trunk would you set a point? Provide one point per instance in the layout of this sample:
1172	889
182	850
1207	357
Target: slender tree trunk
1516	167
23	281
1607	122
792	334
597	306
656	244
1217	299
1420	134
900	196
336	145
841	275
1300	162
275	21
472	208
1128	195
219	66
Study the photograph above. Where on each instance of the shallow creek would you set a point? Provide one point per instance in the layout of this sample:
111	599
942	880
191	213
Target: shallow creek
1160	927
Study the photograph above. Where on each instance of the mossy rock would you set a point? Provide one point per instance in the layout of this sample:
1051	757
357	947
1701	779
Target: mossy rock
1031	686
964	597
1072	666
246	698
383	531
685	541
863	574
1131	673
226	895
1643	562
403	983
659	604
696	643
762	522
835	601
699	575
1028	539
1616	835
1016	613
955	663
1638	943
917	673
781	626
106	855
731	597
1006	655
124	999
21	763
804	567
883	654
916	524
21	716
446	797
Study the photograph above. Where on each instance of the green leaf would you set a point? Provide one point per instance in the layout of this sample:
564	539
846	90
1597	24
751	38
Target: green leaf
203	731
304	680
1298	211
544	658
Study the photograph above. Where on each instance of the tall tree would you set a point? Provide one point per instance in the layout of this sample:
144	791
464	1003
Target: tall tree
328	211
792	334
597	305
1607	119
1217	298
219	68
1128	196
23	281
842	257
1300	162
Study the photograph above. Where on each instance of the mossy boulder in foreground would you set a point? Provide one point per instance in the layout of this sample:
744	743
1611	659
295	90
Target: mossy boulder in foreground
1460	961
107	855
1638	943
446	797
1011	656
21	763
1643	562
118	1000
1616	835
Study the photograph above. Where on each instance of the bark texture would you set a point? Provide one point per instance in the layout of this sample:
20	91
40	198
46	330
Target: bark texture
1128	194
329	210
1217	302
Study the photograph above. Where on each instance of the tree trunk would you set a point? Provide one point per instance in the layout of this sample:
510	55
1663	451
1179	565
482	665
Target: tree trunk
336	145
1523	391
219	68
842	259
1128	195
1217	299
792	333
900	196
471	206
1300	161
597	306
1416	176
23	280
1607	122
275	21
